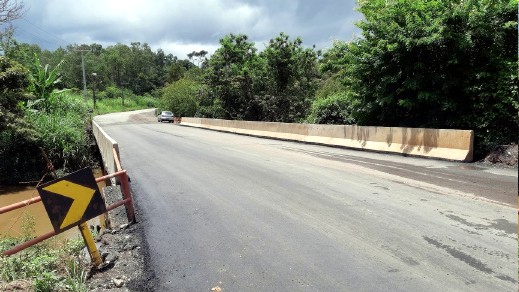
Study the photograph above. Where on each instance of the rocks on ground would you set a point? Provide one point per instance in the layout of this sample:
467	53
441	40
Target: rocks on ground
123	267
503	156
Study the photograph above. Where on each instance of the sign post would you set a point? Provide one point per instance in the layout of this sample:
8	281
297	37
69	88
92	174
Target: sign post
72	200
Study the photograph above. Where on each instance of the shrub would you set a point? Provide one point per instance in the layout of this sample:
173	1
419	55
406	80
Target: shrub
334	109
181	97
62	131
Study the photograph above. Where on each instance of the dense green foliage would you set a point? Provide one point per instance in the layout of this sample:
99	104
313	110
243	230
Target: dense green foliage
291	79
18	140
232	76
440	64
135	67
62	131
53	121
277	84
181	97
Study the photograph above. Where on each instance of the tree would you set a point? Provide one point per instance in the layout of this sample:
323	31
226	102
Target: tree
11	10
14	81
291	73
17	138
22	53
117	60
177	69
181	97
199	57
442	64
233	77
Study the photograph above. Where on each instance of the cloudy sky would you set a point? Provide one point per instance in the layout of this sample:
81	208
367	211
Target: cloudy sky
180	27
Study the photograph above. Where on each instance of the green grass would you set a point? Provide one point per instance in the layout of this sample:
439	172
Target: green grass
48	268
62	131
113	105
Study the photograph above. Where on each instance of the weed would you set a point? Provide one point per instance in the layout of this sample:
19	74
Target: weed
50	269
76	277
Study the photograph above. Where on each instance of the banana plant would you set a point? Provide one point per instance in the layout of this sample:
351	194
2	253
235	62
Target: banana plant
43	81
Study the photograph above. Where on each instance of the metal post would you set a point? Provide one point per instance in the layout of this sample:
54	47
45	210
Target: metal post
127	195
90	244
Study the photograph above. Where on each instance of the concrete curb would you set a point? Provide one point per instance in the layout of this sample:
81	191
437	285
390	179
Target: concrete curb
106	144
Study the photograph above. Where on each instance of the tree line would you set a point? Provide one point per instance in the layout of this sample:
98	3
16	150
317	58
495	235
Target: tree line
418	63
135	67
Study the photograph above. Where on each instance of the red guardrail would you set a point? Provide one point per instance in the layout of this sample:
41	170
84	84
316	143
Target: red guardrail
127	201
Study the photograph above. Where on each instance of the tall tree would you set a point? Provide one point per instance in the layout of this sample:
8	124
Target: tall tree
199	57
11	10
232	77
439	64
292	74
116	59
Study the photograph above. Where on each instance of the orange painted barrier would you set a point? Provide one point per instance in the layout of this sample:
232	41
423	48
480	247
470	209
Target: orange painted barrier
127	201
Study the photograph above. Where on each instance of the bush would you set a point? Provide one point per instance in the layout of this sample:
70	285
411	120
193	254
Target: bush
19	154
334	109
213	111
181	97
63	131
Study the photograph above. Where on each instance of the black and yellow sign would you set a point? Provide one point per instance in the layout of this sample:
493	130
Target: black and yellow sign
72	199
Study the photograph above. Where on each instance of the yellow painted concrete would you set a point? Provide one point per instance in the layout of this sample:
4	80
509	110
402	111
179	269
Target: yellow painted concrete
437	143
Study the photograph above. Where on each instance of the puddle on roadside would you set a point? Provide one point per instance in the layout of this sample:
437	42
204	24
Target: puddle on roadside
12	223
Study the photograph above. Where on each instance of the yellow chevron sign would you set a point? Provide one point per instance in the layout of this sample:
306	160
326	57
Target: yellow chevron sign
72	199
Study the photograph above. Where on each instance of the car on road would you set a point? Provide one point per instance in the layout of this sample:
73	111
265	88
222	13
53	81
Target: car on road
165	116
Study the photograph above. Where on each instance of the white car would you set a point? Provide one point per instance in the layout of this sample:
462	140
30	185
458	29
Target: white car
165	116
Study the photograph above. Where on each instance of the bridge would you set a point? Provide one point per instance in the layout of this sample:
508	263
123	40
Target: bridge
248	213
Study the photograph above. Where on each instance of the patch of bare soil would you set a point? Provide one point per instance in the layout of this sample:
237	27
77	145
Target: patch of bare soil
502	156
123	250
16	285
148	117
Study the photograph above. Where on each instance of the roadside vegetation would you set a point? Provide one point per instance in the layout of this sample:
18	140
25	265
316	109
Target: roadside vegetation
49	266
418	63
440	64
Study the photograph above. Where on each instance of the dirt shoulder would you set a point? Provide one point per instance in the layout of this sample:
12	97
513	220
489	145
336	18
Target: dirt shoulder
124	252
503	156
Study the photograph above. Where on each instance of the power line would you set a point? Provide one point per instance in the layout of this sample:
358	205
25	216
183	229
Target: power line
36	36
56	37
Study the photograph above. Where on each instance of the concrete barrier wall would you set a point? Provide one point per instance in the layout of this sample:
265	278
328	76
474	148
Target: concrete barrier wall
106	144
438	143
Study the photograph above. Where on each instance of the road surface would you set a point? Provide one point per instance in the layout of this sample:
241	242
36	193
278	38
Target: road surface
239	213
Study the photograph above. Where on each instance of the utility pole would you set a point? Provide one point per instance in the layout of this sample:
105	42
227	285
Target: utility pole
84	75
94	83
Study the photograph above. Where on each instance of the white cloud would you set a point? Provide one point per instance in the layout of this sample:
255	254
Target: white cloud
183	26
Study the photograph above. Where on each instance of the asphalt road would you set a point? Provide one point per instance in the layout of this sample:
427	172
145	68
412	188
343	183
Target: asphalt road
249	214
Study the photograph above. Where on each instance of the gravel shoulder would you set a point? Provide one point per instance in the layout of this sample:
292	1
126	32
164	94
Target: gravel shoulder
124	252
